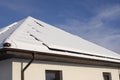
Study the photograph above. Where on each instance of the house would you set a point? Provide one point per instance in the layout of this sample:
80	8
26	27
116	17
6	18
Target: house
33	50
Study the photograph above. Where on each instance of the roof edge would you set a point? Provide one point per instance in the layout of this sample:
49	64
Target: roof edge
25	54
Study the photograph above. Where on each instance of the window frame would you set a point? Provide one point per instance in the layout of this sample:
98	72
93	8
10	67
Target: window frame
58	74
107	76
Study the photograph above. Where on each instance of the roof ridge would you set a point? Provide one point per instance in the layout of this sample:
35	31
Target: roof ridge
11	30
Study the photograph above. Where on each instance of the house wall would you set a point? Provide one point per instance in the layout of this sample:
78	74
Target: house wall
36	71
6	70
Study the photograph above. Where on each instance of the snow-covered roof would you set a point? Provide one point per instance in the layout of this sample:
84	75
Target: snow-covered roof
35	35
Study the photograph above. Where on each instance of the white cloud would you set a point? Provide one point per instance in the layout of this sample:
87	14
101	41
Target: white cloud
96	29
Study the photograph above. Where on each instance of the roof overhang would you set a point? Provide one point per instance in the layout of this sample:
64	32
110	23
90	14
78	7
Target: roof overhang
7	53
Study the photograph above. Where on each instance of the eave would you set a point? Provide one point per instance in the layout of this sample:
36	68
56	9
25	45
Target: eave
7	53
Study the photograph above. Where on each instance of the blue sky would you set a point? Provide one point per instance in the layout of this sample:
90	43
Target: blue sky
95	20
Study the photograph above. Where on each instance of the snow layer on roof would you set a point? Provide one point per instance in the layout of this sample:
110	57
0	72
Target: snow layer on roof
6	32
33	34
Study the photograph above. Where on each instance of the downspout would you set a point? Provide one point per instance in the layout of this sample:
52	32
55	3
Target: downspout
23	70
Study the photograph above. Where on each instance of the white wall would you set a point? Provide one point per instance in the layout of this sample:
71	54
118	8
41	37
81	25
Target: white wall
36	71
6	70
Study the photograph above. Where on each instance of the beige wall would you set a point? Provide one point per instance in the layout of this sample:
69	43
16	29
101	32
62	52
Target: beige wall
6	70
36	71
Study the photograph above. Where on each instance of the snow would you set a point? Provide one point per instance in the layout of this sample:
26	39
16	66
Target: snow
35	35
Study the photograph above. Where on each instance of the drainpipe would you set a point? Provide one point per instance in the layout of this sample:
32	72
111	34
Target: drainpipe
23	70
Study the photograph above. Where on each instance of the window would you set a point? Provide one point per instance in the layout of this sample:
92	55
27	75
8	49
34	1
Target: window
107	76
53	75
119	76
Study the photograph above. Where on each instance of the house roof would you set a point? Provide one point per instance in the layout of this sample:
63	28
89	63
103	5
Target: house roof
34	35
